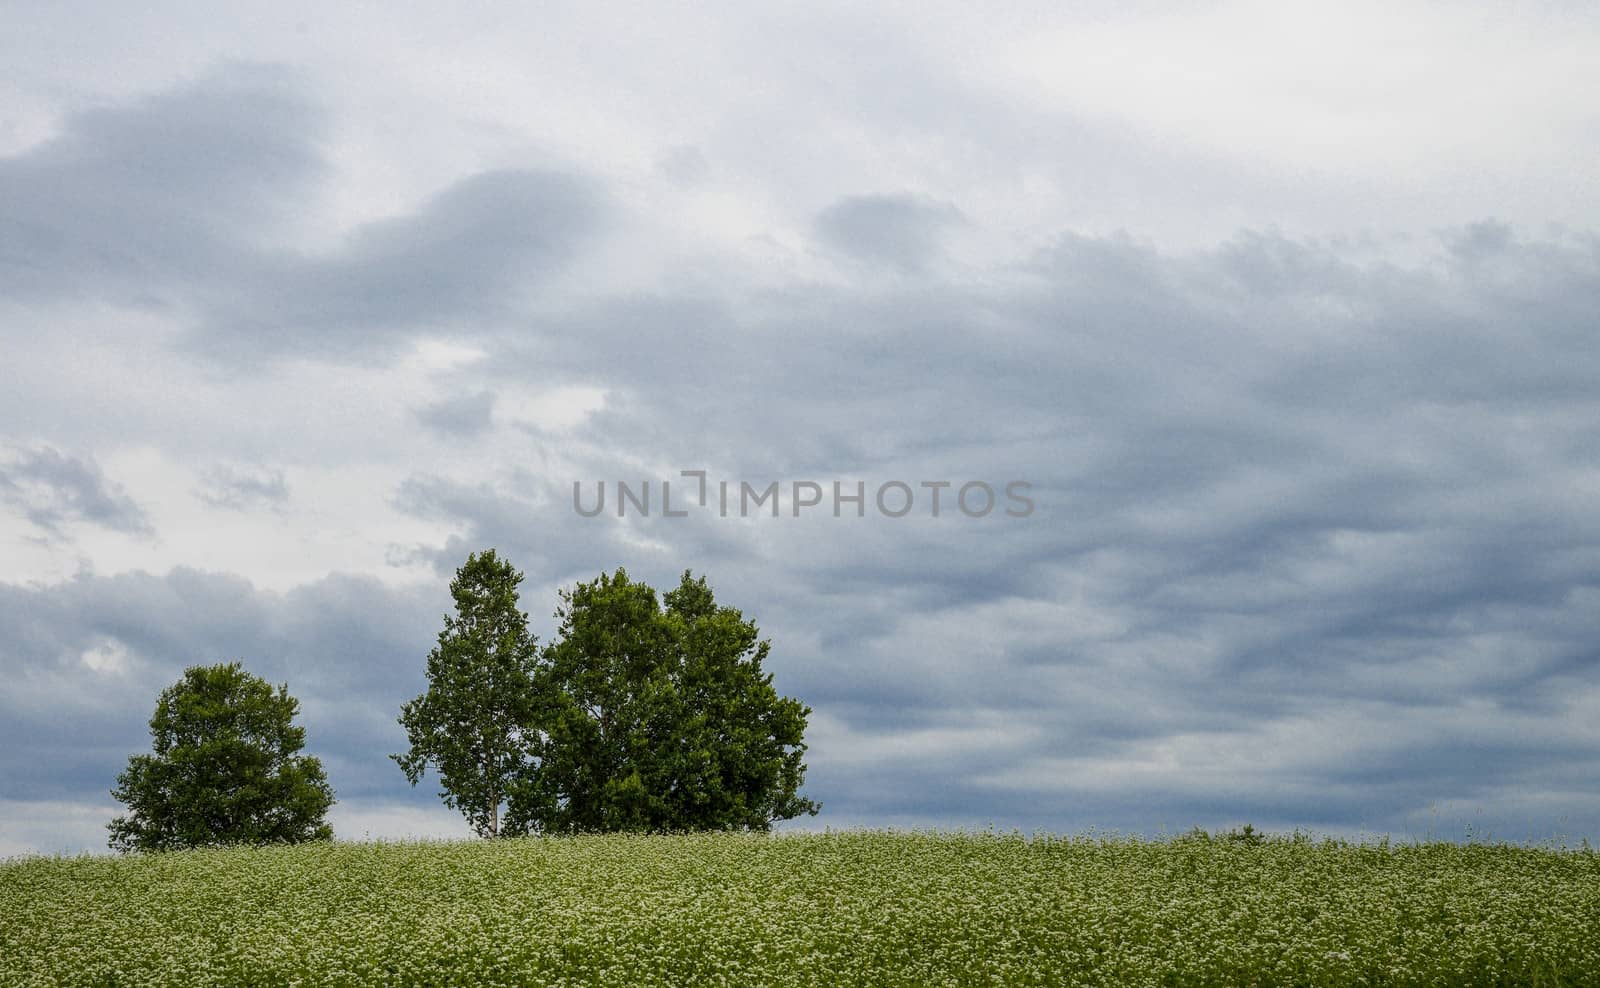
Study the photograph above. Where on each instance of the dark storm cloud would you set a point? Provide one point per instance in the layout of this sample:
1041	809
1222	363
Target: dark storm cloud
51	488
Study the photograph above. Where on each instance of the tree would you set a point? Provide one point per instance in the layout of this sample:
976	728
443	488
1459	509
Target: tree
224	769
475	722
659	718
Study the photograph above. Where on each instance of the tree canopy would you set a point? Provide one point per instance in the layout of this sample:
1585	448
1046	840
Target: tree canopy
660	717
224	769
644	713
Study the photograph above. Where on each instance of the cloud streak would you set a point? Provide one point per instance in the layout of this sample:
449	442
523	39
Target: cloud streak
52	489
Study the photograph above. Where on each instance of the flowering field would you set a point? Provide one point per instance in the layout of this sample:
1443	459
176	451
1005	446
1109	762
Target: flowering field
834	909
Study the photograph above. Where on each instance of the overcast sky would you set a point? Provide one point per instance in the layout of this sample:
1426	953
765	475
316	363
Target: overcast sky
1286	312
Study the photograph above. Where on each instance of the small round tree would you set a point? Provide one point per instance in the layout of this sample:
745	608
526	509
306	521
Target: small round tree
225	769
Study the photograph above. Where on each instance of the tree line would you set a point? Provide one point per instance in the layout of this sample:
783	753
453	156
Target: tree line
646	712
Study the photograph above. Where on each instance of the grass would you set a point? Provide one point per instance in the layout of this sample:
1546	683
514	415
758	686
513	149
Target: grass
855	908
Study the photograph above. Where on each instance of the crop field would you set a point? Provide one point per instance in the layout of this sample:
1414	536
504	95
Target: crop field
853	908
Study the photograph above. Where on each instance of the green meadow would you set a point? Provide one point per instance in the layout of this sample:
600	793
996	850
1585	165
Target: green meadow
850	908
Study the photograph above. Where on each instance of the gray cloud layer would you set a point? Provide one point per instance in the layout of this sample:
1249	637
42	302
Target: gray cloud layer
51	488
1316	540
145	203
175	202
897	230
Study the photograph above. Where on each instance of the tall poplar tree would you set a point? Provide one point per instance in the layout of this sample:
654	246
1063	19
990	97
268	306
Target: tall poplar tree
474	724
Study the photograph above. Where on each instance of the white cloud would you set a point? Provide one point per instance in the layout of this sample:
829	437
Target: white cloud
108	656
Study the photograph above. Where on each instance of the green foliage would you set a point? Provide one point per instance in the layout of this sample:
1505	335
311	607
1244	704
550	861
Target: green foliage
475	722
224	769
659	718
1248	835
638	716
879	909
